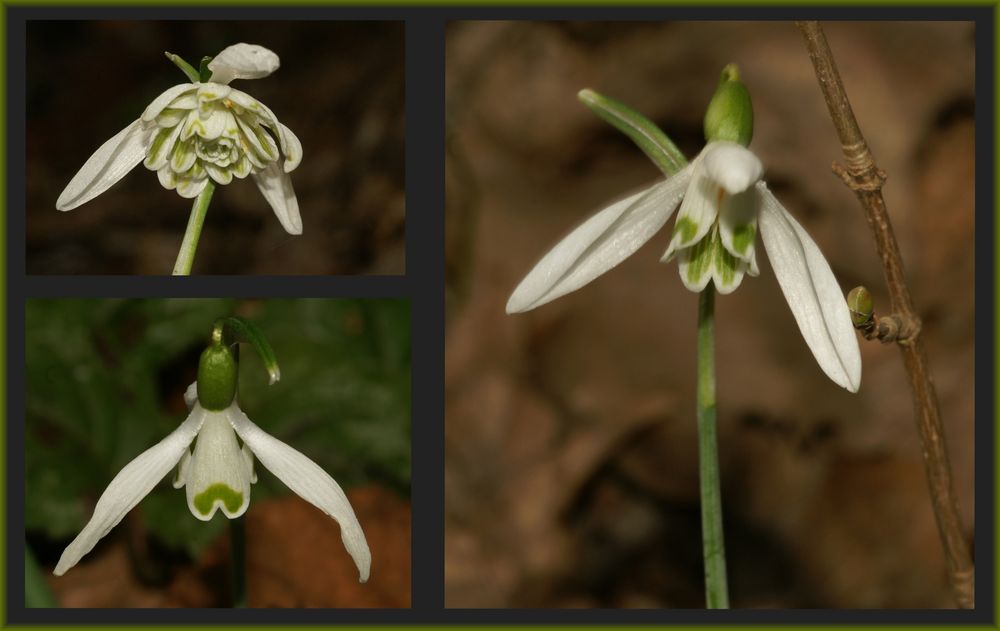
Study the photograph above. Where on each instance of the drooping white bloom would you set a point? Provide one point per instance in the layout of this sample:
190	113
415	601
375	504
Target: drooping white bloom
196	131
217	476
724	203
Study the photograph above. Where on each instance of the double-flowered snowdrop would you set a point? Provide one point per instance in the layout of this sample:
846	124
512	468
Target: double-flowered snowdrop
202	131
217	473
723	203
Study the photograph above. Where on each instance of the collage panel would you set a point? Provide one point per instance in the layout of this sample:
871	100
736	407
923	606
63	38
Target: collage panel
581	242
289	417
284	155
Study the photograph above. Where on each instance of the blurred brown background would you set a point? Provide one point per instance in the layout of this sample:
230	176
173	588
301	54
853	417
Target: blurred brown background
340	88
571	474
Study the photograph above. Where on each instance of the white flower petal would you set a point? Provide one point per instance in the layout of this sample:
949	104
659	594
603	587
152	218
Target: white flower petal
599	244
752	269
267	117
208	94
189	188
217	476
258	145
191	395
276	186
738	224
292	149
732	166
695	265
184	156
161	147
110	163
309	481
221	175
182	469
812	292
168	98
248	461
243	61
697	213
131	484
727	270
168	179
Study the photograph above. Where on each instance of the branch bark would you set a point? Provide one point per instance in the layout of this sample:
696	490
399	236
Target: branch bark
864	177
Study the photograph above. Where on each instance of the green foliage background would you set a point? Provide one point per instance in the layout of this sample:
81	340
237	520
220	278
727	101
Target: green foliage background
106	380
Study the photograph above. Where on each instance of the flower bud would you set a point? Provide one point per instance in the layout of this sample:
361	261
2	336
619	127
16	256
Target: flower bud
859	301
730	113
216	377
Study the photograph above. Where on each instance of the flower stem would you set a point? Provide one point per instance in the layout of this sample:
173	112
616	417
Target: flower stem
238	539
716	589
865	178
185	257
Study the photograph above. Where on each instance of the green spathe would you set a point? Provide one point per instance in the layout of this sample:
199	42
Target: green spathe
216	377
230	498
730	113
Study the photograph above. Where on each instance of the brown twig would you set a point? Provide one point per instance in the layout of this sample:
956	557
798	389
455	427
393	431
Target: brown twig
864	177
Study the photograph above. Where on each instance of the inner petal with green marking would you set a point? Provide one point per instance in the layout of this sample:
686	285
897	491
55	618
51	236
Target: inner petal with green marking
219	474
218	493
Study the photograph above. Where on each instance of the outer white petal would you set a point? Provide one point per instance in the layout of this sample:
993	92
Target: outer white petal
276	186
812	292
243	61
309	481
191	395
732	166
110	163
600	243
292	149
217	476
131	484
167	98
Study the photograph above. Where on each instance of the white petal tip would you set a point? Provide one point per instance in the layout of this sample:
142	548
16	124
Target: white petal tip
514	307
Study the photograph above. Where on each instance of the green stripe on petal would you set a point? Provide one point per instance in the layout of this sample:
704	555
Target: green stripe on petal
695	265
743	237
686	228
221	493
183	157
159	150
727	270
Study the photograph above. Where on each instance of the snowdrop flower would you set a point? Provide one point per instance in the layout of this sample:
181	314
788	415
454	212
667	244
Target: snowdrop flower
194	132
723	203
217	474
